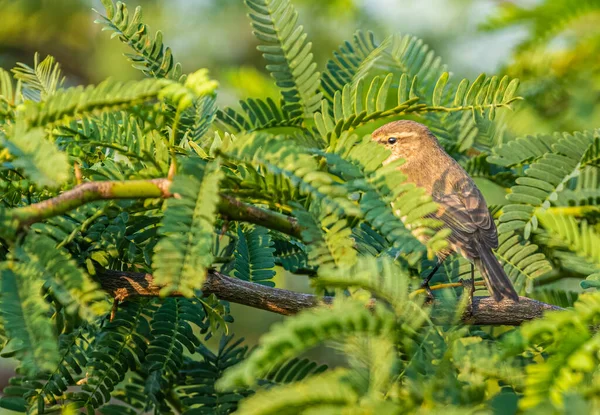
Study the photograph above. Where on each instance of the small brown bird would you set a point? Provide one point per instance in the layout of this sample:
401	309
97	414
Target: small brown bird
462	207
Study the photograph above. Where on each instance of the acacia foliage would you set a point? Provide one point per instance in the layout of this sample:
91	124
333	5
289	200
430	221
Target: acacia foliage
305	155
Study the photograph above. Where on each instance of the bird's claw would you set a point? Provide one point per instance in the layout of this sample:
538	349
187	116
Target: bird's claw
470	285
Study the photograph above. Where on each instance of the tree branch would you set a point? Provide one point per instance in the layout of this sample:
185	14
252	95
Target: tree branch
145	189
123	285
485	311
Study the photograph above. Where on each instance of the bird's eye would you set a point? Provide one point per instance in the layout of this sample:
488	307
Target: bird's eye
392	140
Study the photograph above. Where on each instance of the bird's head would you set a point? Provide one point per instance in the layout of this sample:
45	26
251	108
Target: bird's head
404	138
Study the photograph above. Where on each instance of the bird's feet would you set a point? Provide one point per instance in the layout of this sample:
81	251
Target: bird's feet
425	286
470	286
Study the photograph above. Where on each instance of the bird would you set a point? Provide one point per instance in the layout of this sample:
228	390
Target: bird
462	207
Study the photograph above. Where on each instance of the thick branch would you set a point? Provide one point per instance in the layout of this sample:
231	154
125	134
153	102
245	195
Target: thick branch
145	189
485	310
123	285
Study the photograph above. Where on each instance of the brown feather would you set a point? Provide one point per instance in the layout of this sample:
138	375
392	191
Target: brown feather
462	206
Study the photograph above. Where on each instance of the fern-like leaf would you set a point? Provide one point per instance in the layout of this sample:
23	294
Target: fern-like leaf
291	255
196	387
10	97
150	55
254	260
346	61
257	115
523	150
109	95
73	289
288	54
46	393
287	159
170	333
38	158
327	237
184	253
307	329
25	318
120	346
572	354
41	81
295	370
522	261
546	177
580	238
327	389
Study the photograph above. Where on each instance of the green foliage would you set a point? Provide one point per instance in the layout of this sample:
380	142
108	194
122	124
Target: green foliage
25	319
188	223
41	81
9	97
196	387
325	389
289	60
342	68
68	284
305	331
254	260
295	184
258	115
170	332
121	346
571	365
109	95
522	260
299	166
150	55
39	159
543	179
577	237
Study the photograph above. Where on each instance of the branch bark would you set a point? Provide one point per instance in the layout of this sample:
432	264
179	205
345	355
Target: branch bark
145	189
485	310
123	285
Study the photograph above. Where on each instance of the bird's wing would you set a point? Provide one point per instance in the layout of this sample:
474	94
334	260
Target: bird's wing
465	212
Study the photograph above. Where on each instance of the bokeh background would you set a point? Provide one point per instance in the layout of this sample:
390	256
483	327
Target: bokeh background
216	34
554	54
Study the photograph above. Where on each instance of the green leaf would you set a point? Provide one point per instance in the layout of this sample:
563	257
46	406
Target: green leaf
73	289
544	179
327	388
439	89
25	315
254	260
150	55
41	81
171	332
288	54
39	158
303	331
184	252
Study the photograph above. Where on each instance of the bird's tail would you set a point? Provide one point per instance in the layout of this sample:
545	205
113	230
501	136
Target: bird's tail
496	280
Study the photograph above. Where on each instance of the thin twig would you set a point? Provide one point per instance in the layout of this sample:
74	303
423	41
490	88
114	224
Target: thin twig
145	189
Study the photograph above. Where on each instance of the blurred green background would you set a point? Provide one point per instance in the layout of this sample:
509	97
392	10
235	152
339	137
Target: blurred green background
559	68
216	34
